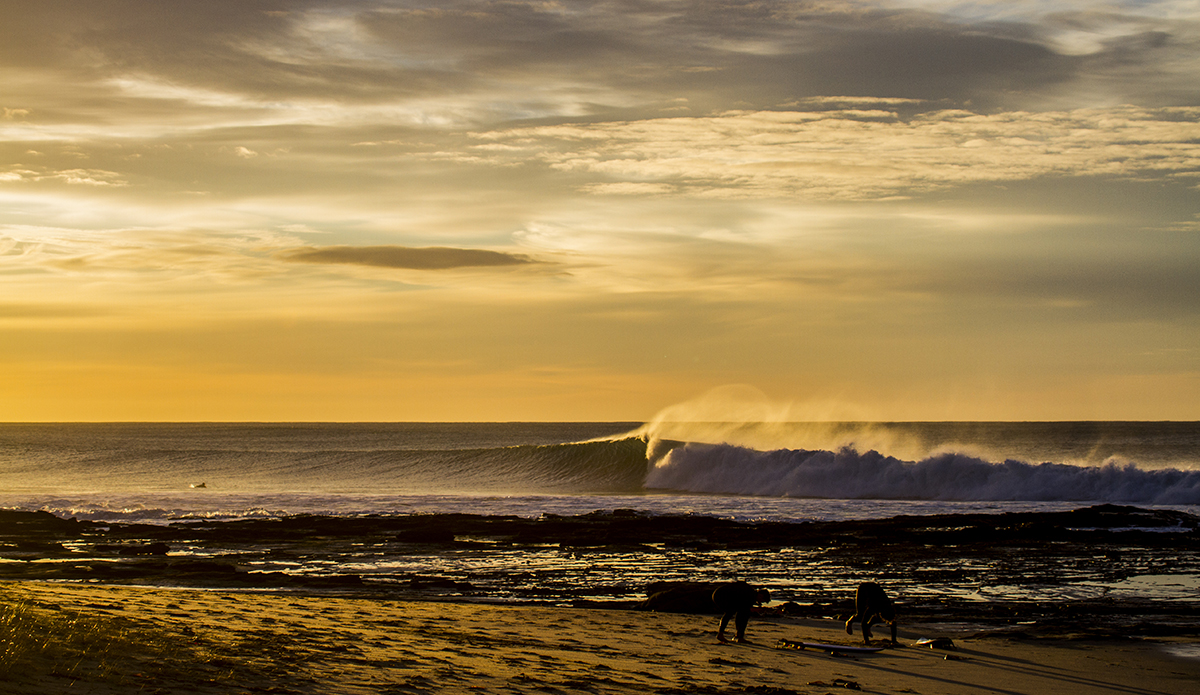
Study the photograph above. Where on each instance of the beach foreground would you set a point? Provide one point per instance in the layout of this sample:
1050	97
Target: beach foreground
118	639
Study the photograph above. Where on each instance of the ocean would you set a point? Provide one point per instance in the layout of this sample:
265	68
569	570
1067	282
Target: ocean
154	473
159	474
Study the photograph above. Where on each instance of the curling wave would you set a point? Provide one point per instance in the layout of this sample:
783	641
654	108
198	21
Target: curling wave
848	474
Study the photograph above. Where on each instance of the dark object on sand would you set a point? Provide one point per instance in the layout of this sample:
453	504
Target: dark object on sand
793	608
837	683
831	648
680	597
935	643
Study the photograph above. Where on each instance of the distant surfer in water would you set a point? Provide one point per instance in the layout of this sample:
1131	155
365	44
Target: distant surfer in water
871	605
736	599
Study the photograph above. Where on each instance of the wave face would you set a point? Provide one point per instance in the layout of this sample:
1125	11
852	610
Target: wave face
587	467
384	459
848	474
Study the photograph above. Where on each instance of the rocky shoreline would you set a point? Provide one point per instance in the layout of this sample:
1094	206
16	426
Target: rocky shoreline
934	555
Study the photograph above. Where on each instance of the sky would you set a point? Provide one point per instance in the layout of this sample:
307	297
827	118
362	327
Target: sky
244	210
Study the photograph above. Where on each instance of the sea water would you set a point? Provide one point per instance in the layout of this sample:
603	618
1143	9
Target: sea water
748	471
159	473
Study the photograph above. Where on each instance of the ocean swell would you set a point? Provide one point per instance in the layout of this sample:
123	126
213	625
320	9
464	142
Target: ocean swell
608	466
849	474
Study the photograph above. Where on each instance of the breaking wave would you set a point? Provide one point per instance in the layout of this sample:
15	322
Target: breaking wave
848	474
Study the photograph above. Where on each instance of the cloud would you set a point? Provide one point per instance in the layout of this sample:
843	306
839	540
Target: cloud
481	62
82	177
629	188
404	257
859	154
138	256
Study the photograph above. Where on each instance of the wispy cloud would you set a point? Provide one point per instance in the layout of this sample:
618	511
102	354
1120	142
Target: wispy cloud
859	154
84	177
403	257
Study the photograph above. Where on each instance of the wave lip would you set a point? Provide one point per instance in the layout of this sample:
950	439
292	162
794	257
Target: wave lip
848	474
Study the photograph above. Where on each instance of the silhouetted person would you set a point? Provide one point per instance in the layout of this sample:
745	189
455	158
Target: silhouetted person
736	599
871	605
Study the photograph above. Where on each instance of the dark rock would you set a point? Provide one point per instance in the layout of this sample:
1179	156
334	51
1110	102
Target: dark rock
438	535
438	583
19	523
145	549
792	608
203	567
30	546
680	597
332	581
120	569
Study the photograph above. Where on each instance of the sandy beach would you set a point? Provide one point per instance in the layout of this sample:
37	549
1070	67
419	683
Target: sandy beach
201	607
117	639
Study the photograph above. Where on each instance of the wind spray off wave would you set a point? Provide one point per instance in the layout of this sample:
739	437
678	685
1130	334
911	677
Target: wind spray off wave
848	474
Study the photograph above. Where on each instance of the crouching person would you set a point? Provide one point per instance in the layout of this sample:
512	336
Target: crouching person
735	600
871	605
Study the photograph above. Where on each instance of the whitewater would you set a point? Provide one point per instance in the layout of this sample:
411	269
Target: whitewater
157	472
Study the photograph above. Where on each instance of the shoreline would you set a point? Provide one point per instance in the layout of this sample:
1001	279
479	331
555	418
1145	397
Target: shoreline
115	639
1101	570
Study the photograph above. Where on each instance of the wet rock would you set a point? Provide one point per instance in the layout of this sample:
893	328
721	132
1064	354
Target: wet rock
31	546
438	583
680	597
793	608
334	581
438	535
18	523
207	567
144	549
126	570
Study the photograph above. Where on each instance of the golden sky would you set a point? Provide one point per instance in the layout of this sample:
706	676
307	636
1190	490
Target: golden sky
320	210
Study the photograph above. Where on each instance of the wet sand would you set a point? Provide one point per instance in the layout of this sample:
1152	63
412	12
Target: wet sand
121	639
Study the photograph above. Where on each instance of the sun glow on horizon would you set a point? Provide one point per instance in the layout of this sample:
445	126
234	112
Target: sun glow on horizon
909	210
